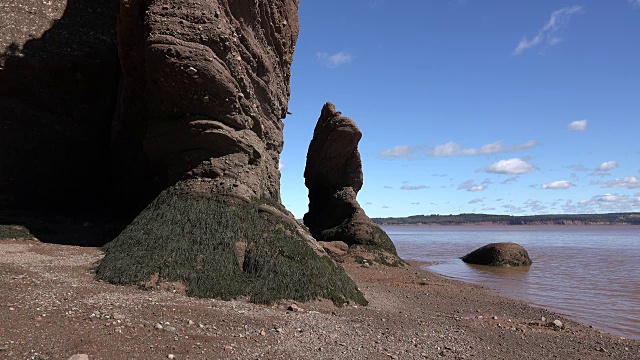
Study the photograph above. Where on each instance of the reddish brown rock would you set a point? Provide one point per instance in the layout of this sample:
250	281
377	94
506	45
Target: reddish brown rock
335	248
499	254
206	86
333	175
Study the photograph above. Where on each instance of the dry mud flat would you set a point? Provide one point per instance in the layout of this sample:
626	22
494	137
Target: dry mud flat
52	308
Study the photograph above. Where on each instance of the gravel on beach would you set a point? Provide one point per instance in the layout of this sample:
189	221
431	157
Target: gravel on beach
51	307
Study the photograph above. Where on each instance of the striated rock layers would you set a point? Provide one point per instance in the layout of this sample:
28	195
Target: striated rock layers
206	83
333	175
499	254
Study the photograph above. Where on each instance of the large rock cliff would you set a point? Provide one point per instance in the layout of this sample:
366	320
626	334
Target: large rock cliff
333	175
178	122
206	84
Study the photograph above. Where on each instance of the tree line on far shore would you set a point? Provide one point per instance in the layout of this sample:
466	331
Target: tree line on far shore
470	219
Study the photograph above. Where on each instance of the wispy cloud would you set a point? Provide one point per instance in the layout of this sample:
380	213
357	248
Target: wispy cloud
508	180
413	187
547	34
578	167
629	182
513	209
334	60
415	203
475	201
452	149
514	166
399	151
558	185
469	185
635	3
535	205
578	125
281	166
606	202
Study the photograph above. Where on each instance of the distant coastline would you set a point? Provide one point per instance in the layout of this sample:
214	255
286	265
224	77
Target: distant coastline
486	219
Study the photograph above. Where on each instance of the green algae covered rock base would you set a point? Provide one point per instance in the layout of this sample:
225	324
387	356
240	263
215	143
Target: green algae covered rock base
193	240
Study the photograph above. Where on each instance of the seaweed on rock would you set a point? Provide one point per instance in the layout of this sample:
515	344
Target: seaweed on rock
193	240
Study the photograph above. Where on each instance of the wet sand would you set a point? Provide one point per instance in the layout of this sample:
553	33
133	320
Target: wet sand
52	308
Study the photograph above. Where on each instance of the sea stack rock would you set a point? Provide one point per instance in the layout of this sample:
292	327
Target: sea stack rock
206	84
499	254
333	175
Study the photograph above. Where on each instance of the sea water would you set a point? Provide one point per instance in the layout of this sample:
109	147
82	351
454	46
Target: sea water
589	273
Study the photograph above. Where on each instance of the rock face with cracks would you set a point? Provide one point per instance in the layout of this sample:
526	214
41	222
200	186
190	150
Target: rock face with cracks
499	254
206	83
333	175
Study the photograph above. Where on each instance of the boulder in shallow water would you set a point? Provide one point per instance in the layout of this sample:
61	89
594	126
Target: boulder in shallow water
499	254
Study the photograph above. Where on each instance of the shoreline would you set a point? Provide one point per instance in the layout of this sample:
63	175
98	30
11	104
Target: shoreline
55	308
509	224
423	265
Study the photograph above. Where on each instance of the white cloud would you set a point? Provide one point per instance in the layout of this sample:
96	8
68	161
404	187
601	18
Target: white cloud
606	202
546	35
515	166
560	184
397	152
414	187
475	201
608	165
629	182
334	60
469	185
578	125
281	166
453	149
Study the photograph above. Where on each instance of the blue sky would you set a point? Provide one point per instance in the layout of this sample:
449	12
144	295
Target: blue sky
499	107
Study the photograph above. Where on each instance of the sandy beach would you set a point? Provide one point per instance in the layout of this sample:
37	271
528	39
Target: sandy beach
52	308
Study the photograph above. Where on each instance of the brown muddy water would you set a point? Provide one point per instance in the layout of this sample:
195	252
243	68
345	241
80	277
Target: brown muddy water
589	273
